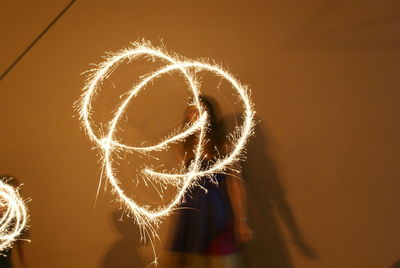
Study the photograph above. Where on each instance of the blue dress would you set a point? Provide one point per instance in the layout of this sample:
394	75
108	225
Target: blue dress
205	220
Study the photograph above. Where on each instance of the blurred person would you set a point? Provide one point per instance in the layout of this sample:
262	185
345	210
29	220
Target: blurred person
18	246
211	223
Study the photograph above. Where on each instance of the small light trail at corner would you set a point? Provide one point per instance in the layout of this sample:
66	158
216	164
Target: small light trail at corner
13	216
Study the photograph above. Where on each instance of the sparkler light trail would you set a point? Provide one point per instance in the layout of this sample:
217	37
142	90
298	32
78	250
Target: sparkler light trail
13	215
146	218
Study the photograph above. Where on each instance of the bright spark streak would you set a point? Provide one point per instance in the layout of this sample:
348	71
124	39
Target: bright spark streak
148	219
13	215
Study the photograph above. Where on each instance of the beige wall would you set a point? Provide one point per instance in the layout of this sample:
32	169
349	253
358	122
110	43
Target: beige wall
323	167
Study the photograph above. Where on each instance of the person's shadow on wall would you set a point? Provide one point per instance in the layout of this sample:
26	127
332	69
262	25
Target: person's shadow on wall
396	264
124	252
266	201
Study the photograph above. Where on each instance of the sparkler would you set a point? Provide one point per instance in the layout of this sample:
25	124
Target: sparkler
13	215
146	218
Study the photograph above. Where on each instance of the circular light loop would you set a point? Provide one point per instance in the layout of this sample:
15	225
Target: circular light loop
13	215
144	216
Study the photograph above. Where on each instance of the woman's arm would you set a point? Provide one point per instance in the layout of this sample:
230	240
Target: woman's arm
237	196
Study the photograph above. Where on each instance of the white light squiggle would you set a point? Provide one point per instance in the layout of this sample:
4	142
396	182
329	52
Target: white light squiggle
148	219
13	215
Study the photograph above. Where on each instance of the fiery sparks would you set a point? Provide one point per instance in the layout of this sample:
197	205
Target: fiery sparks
146	218
13	215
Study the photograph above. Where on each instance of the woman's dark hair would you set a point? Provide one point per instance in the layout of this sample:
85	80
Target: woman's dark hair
216	133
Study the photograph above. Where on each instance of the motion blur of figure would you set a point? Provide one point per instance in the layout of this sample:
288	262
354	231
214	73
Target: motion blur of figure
18	247
212	223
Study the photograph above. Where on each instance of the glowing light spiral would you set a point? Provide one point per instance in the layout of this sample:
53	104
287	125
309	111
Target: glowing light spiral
13	215
147	218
